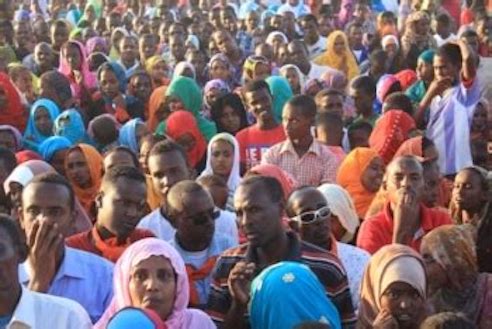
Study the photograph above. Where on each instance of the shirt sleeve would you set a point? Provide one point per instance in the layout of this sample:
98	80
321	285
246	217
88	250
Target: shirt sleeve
369	237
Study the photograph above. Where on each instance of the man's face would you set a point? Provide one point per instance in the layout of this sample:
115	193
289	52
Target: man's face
259	103
46	90
9	264
362	101
309	28
331	104
128	50
177	46
443	68
252	21
228	20
142	86
177	30
7	140
148	48
296	125
47	202
41	32
59	35
257	215
297	54
22	34
166	170
355	36
120	205
224	42
404	176
308	200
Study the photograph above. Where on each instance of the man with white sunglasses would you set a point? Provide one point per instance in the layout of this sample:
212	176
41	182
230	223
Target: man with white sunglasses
310	215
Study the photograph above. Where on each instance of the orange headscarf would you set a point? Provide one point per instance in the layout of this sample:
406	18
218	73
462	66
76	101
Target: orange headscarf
182	122
156	99
349	177
86	196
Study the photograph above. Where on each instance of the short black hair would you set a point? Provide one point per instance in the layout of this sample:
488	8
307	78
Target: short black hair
328	92
447	320
388	15
121	148
55	179
309	18
304	102
364	83
269	184
444	18
59	82
8	159
326	10
168	146
112	175
398	101
256	85
212	180
451	52
469	33
11	227
352	25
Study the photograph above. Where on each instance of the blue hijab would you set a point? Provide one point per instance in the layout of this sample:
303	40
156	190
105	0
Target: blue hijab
128	135
287	294
70	125
50	146
32	136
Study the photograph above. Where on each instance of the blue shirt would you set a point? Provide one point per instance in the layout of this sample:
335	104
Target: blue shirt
83	277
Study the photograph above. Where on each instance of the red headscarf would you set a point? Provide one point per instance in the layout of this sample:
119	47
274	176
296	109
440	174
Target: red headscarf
180	123
391	130
156	99
26	155
14	113
287	182
407	78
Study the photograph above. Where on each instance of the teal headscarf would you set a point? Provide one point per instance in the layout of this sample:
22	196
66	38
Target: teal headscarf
428	56
128	135
281	93
287	294
50	146
69	124
189	93
32	136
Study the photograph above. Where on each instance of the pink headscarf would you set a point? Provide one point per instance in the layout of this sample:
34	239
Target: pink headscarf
181	317
90	81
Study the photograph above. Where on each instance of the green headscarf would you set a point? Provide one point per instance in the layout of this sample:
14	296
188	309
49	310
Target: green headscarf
98	8
281	92
7	54
188	91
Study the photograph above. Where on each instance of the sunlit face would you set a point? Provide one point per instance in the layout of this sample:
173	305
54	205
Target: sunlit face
293	77
73	57
372	176
404	303
222	158
219	70
109	83
339	46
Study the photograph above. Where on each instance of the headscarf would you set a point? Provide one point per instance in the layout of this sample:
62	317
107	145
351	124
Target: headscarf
131	318
390	131
223	58
188	91
157	98
7	54
271	36
391	263
250	64
342	206
265	15
70	124
302	79
412	146
410	37
97	5
181	67
428	56
26	171
14	115
334	79
182	122
214	84
89	80
389	39
152	61
287	182
281	93
287	294
128	135
32	136
384	85
26	155
407	78
181	317
16	133
53	144
193	39
93	42
345	63
349	177
94	160
234	177
118	71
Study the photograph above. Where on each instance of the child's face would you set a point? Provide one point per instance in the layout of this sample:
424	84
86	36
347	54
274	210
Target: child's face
219	195
293	78
42	121
262	71
480	118
24	82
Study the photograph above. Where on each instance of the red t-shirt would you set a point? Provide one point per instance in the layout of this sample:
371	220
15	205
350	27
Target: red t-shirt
376	232
254	142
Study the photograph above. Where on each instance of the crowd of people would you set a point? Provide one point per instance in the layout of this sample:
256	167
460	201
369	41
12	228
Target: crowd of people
259	164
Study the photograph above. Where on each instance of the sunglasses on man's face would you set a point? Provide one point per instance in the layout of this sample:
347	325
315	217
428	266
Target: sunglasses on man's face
310	217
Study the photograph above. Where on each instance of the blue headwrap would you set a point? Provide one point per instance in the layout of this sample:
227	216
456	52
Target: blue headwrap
128	135
287	294
32	136
118	70
69	124
428	56
129	318
50	146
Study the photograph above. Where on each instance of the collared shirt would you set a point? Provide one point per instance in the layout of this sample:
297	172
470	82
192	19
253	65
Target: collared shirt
325	265
36	310
376	232
218	245
82	277
317	166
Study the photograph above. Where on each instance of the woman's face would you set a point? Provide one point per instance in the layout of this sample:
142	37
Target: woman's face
480	118
141	131
391	49
404	303
436	274
468	193
222	158
58	161
7	140
159	71
175	104
262	71
24	82
73	57
219	70
153	285
110	85
425	71
77	169
42	121
339	45
372	176
422	26
187	141
230	120
293	78
142	86
212	95
144	154
277	42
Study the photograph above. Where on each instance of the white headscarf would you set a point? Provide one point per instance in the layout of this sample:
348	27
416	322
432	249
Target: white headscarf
234	176
302	77
181	67
342	206
272	35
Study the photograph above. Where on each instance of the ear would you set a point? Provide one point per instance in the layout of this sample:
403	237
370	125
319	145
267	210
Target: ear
20	215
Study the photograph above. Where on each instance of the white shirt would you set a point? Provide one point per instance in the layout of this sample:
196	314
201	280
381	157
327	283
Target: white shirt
162	228
318	48
36	311
317	70
440	41
354	261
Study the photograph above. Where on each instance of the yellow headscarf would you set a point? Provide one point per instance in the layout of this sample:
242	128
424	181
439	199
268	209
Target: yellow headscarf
151	61
346	63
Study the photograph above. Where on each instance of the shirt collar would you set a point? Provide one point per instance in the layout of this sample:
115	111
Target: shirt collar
287	146
24	313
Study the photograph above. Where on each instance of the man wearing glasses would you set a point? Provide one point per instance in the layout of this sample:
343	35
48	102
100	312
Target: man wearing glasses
191	210
310	215
259	207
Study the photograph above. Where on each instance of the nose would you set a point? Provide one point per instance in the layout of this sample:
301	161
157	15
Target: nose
152	283
405	303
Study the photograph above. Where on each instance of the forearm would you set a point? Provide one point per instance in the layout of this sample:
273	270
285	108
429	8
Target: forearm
38	284
234	318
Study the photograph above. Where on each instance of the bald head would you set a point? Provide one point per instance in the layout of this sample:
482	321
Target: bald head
181	193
